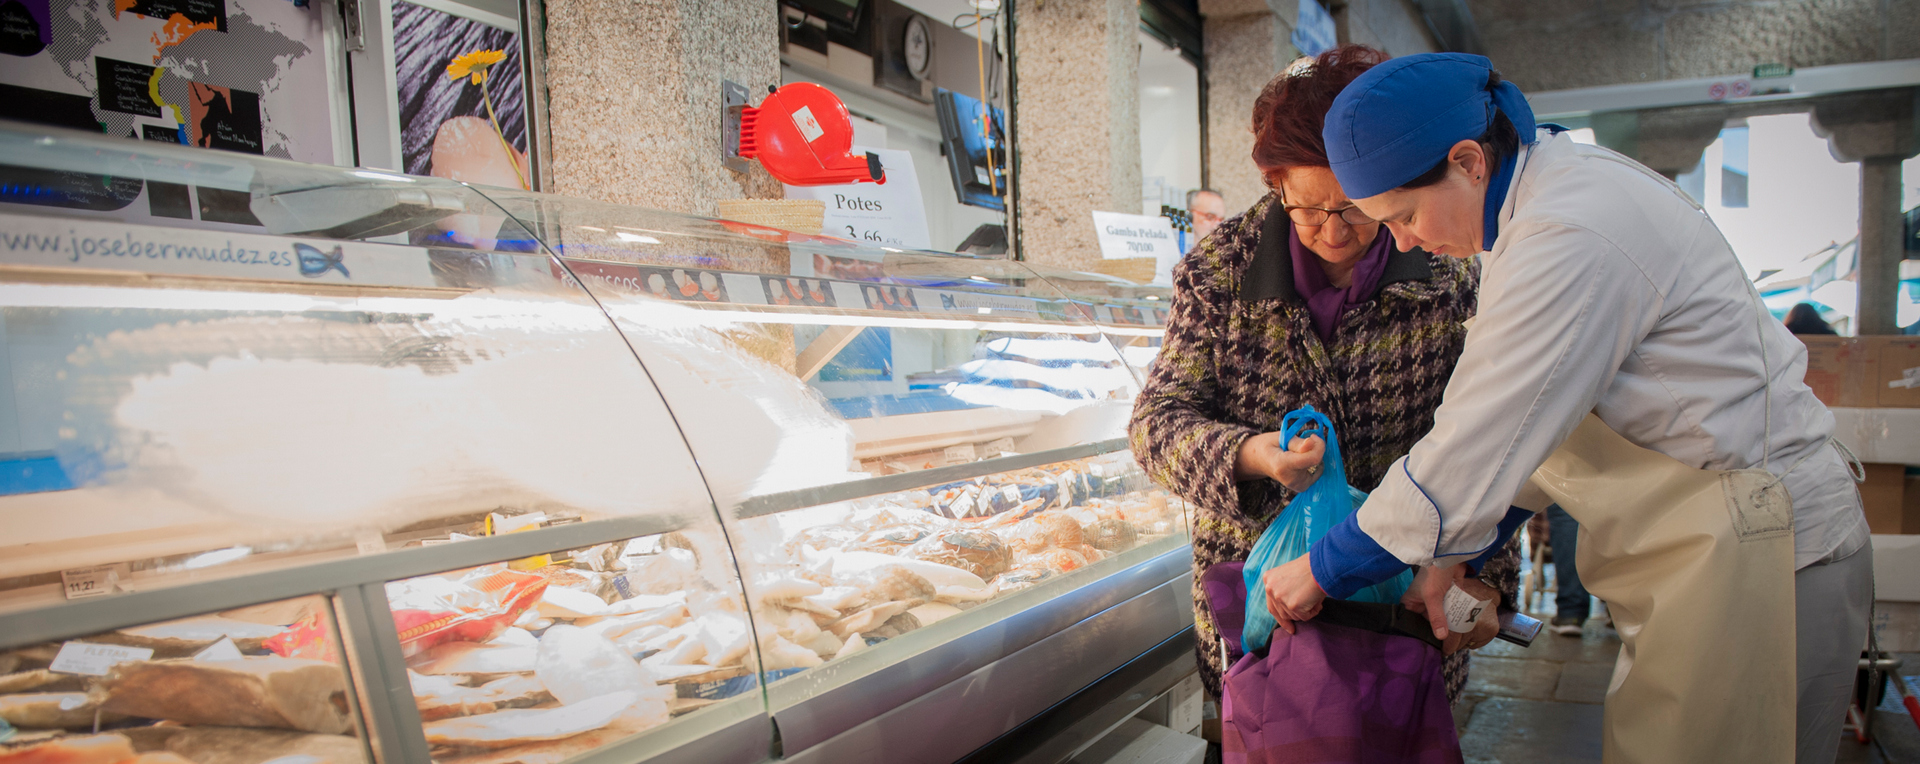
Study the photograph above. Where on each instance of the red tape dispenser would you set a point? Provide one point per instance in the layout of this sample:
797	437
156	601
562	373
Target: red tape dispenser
803	135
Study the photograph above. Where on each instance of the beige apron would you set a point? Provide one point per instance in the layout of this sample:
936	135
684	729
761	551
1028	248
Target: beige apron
1696	567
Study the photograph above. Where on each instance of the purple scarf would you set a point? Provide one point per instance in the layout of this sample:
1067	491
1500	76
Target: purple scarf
1325	302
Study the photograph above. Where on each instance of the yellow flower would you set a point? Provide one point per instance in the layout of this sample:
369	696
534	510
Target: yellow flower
475	64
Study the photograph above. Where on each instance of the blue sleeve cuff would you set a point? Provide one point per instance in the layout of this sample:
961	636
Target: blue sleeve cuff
1512	522
1347	560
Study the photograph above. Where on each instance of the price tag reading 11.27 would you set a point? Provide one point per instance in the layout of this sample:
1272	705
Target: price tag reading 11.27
81	583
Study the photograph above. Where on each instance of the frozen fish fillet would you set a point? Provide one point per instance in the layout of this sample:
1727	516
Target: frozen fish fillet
96	749
190	634
43	680
475	658
507	728
245	745
561	602
52	709
288	693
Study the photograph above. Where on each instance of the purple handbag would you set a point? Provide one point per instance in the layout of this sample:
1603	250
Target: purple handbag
1331	693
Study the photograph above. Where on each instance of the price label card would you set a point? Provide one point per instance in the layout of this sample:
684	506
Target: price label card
95	660
1124	236
1012	493
890	214
98	580
1463	609
960	454
223	650
371	542
1001	447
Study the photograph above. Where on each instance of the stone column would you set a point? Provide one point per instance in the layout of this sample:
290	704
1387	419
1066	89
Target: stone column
1076	123
1877	129
1880	234
1667	141
1247	43
634	97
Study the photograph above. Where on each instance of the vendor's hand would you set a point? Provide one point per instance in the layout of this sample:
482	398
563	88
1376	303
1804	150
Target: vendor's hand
1428	594
1296	467
1292	594
1485	628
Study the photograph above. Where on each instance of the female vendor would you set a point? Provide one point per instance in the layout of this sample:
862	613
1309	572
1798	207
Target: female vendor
1300	300
1622	365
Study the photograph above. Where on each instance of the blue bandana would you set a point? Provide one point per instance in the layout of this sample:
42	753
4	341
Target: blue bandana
1399	119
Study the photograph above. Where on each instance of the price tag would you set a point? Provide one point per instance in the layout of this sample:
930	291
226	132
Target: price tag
223	650
892	214
81	583
960	454
1012	493
95	660
371	542
1126	236
1463	609
1001	447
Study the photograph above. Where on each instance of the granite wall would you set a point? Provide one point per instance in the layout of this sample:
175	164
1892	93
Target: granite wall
1076	125
634	92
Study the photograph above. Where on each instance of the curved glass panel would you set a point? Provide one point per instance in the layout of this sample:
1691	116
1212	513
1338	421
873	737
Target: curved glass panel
796	361
907	446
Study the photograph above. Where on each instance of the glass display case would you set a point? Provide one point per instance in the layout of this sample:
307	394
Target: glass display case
478	475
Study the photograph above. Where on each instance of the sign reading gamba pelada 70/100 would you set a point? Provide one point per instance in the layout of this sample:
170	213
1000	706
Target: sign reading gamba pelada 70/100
1128	236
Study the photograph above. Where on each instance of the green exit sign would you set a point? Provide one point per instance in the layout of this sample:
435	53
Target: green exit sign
1772	70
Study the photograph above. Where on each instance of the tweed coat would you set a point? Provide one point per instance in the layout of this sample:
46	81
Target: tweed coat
1240	352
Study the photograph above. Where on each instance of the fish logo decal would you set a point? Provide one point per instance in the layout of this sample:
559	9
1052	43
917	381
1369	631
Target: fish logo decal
314	263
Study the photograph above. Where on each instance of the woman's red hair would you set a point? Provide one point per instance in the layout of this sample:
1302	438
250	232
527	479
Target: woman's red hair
1292	109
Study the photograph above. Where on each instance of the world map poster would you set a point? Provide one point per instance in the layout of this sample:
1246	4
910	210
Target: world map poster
237	75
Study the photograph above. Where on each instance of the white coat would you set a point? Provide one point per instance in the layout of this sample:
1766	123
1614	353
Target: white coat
1609	291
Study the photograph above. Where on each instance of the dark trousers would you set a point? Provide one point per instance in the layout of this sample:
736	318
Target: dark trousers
1563	535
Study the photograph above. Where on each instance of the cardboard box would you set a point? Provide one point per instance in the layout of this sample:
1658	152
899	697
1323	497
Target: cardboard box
1896	380
1864	372
1839	370
1885	497
1896	568
1897	626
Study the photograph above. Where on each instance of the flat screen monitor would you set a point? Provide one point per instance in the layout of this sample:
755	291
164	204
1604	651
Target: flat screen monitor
975	138
844	14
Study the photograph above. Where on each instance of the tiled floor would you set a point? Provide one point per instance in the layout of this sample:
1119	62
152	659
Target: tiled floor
1542	704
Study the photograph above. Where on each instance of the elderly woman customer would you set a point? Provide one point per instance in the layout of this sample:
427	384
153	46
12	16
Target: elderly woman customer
1302	299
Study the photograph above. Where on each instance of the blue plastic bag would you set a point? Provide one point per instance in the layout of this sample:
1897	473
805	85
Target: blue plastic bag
1308	517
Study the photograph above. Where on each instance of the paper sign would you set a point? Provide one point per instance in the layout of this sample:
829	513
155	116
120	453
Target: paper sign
960	454
81	583
1001	447
223	650
370	542
1126	236
890	214
95	660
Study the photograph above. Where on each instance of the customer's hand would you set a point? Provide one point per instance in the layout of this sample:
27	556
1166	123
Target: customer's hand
1428	594
1296	466
1485	628
1292	594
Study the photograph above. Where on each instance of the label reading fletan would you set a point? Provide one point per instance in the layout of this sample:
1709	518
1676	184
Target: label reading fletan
95	660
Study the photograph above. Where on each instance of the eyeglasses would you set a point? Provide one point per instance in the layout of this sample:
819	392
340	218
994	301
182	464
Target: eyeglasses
1313	216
